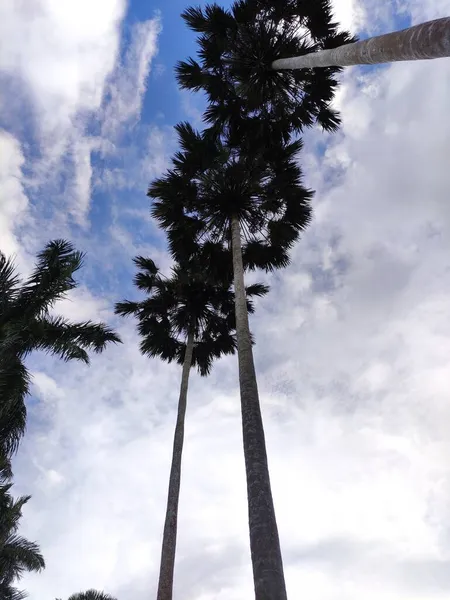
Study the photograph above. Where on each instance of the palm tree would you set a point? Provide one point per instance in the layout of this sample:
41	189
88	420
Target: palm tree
91	595
26	324
17	555
256	207
236	50
424	41
187	318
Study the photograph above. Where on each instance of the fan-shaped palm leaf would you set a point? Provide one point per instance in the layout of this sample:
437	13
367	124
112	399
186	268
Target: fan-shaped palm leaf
237	47
91	595
264	192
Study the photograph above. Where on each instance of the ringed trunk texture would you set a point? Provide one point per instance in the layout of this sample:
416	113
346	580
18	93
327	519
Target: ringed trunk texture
428	40
165	584
267	562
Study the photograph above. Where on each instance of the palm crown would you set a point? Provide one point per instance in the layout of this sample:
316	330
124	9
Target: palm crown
26	324
91	595
246	97
187	301
211	183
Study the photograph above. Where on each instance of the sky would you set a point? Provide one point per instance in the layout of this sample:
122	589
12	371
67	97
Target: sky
352	342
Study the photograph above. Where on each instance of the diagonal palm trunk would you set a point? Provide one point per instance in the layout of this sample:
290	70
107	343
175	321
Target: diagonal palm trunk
427	40
165	584
267	562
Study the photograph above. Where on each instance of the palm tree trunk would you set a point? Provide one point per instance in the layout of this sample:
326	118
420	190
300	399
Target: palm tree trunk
165	584
267	562
428	40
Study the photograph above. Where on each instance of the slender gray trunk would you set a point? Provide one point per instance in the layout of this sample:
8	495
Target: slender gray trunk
428	40
264	542
165	584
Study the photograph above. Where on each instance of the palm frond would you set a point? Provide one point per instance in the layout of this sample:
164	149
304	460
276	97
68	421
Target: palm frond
126	308
195	297
5	468
51	279
8	592
9	281
189	75
257	289
263	189
214	19
260	255
91	595
70	341
26	325
14	386
17	554
195	19
235	52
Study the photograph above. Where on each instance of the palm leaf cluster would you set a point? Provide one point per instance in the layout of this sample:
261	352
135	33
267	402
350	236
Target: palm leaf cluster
91	595
186	301
247	99
27	323
210	183
17	554
189	300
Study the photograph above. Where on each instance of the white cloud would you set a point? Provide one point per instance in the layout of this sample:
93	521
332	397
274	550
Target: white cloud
81	185
63	52
128	83
350	14
141	162
63	61
82	305
14	201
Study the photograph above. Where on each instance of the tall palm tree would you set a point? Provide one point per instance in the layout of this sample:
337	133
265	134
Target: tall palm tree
27	324
17	554
256	208
236	50
187	318
424	41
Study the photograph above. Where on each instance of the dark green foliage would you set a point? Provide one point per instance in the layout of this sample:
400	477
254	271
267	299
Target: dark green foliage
26	324
17	555
210	183
14	384
236	47
91	595
9	592
188	300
